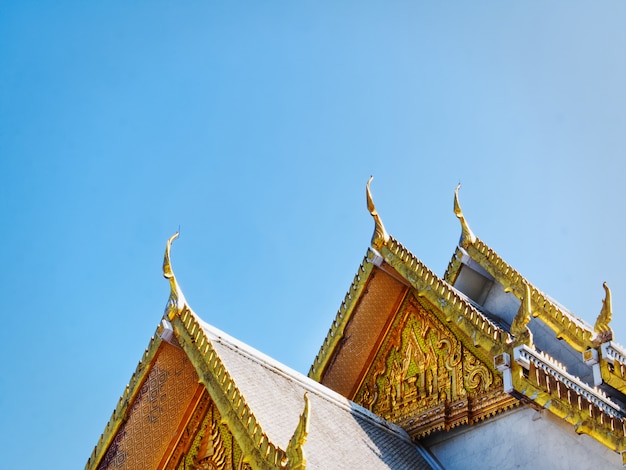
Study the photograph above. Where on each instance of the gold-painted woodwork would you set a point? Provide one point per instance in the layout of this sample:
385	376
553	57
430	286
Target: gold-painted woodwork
295	451
467	236
602	327
176	302
156	411
120	414
380	236
259	451
207	443
214	447
190	429
565	325
425	379
544	390
450	306
519	326
614	374
344	314
363	332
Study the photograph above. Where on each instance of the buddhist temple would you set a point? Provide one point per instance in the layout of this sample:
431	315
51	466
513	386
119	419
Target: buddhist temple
475	369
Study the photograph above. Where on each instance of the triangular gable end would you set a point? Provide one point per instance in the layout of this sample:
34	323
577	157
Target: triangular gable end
409	347
190	406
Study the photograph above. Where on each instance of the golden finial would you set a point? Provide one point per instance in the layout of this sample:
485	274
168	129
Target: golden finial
602	328
467	236
176	301
380	236
519	327
295	453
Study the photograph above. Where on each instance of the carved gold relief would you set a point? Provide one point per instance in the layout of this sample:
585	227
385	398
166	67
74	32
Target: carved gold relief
213	446
424	378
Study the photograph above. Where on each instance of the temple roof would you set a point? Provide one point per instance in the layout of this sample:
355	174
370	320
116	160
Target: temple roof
506	321
274	394
279	417
504	330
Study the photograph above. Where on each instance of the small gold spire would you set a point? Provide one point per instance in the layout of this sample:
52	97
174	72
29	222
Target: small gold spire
602	328
467	236
176	301
380	236
519	327
295	453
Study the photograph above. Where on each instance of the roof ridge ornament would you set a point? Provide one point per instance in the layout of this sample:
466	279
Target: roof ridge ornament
295	454
176	301
603	331
380	236
467	236
519	326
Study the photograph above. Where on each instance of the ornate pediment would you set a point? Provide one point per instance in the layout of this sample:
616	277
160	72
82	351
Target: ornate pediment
207	443
425	379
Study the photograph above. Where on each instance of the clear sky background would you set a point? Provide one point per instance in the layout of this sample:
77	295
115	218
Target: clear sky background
254	126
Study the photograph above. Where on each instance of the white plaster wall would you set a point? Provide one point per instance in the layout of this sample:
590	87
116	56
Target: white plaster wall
521	439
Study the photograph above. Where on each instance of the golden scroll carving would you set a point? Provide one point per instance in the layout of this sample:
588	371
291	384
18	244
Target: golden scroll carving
424	379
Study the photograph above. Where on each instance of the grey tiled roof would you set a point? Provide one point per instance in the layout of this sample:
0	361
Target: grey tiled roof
342	434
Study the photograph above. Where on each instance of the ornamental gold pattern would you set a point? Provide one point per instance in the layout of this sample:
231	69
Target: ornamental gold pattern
453	308
566	326
424	379
256	445
213	447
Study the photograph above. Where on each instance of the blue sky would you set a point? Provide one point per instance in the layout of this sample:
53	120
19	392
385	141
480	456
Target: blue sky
254	126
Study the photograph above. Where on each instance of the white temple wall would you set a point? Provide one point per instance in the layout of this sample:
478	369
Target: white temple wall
521	439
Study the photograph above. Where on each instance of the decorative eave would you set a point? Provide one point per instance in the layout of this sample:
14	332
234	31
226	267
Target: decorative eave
259	451
335	333
580	336
180	321
546	383
566	326
121	411
613	365
454	308
539	377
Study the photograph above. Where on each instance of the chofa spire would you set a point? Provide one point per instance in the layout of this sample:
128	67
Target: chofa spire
467	236
380	236
602	327
176	302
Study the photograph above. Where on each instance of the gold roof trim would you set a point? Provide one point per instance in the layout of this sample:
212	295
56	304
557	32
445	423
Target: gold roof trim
565	325
542	386
335	333
260	451
120	413
454	307
380	236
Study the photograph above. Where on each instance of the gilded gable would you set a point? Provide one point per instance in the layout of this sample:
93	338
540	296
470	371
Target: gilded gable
424	379
162	402
207	443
